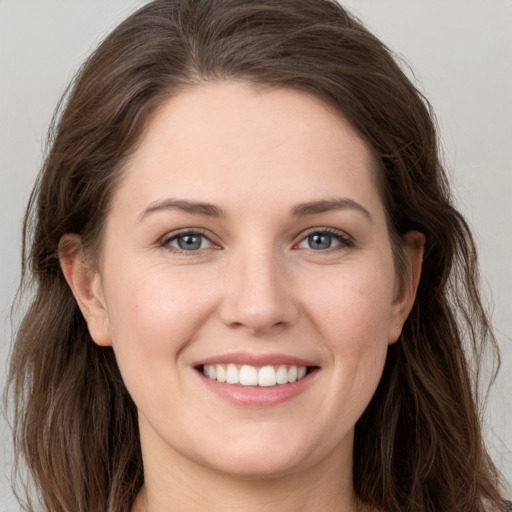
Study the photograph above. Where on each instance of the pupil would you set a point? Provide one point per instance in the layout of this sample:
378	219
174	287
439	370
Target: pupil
189	242
320	241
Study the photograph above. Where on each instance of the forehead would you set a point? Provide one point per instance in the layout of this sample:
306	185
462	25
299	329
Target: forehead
227	136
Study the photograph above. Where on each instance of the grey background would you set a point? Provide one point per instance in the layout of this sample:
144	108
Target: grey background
460	52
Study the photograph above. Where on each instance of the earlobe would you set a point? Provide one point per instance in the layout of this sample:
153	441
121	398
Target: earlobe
413	247
85	283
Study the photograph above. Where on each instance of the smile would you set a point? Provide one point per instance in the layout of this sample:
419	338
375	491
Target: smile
247	375
256	380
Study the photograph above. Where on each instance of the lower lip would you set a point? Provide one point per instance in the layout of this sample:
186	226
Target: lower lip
258	396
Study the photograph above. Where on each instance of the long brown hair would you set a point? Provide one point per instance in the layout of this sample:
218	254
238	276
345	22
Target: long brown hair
418	446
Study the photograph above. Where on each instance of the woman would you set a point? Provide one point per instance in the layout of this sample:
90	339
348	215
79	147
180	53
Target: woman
253	290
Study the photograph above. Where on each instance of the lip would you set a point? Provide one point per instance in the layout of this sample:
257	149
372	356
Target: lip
256	396
242	358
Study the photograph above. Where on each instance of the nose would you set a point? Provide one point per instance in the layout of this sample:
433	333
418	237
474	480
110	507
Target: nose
259	294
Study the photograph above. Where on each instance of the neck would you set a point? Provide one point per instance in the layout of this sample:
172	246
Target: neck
286	495
187	486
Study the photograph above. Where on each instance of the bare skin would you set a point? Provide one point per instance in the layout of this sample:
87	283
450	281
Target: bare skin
248	225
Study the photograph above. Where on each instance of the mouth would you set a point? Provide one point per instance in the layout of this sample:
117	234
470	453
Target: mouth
256	380
266	376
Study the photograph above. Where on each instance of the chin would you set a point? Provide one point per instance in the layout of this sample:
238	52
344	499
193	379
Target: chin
249	458
253	467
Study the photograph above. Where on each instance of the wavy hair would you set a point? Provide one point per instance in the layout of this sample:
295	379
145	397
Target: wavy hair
418	445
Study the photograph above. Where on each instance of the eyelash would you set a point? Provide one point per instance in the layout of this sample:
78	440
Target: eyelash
167	239
344	239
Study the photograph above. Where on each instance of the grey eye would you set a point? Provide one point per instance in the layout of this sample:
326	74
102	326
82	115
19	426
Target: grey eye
320	241
323	240
189	242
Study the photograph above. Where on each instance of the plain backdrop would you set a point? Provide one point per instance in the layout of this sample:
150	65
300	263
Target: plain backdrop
460	52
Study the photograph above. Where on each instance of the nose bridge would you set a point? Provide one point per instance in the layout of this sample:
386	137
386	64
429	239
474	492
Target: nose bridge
258	291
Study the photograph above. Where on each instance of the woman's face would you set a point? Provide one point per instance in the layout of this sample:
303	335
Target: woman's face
247	240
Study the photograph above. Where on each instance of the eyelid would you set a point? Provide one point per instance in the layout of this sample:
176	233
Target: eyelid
344	238
173	235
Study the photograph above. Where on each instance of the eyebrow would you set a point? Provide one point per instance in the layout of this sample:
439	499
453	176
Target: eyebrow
193	207
211	210
327	205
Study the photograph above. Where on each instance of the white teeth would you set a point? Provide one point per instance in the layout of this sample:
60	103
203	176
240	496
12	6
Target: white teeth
267	376
282	375
292	374
247	375
232	374
221	373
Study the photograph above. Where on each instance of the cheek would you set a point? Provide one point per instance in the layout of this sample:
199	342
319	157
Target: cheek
352	307
352	314
153	314
154	299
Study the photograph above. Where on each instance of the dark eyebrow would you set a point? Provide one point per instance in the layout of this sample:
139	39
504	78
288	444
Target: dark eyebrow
196	208
327	205
210	210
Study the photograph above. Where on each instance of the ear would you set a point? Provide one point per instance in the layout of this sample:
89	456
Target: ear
413	244
85	283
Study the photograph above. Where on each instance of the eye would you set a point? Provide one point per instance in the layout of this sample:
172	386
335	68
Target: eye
188	241
325	239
